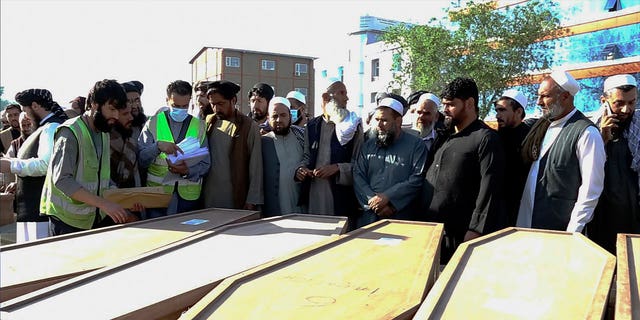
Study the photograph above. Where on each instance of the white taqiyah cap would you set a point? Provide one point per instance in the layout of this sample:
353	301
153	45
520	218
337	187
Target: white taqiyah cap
331	81
517	96
297	95
428	96
566	81
619	81
393	104
281	100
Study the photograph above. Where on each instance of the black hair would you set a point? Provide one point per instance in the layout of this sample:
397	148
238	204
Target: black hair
461	88
13	106
39	96
226	89
262	90
107	91
179	87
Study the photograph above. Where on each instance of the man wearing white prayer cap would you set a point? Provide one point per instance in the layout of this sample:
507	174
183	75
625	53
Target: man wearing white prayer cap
331	142
427	110
387	189
567	159
298	108
618	209
282	151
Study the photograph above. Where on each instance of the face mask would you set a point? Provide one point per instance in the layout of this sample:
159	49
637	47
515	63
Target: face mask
294	115
178	114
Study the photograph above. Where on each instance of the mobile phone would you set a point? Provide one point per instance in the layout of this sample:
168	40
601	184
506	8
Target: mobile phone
608	111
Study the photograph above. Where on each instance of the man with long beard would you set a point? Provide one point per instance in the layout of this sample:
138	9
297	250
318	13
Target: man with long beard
134	91
235	178
32	161
425	125
282	150
12	113
331	143
124	151
389	170
567	159
618	209
463	184
259	98
80	171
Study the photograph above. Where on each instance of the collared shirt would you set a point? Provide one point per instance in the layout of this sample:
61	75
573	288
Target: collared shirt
37	167
591	156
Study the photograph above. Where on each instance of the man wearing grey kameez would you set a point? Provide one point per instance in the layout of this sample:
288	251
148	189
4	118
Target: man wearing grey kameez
390	167
282	150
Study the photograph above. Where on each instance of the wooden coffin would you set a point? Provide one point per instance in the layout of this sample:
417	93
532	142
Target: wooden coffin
381	271
627	286
523	274
33	265
163	283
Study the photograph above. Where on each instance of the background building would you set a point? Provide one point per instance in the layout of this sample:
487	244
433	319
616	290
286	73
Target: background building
246	68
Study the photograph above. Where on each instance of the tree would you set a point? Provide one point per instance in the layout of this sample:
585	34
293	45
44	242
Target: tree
498	48
3	103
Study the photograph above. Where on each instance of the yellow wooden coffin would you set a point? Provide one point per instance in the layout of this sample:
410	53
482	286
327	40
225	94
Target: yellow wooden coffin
163	283
627	286
523	274
33	265
381	271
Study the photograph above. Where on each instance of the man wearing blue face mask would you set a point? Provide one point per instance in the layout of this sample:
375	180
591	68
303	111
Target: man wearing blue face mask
159	138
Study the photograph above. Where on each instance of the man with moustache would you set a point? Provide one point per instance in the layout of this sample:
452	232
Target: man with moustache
425	125
134	91
332	141
79	171
235	178
298	108
463	184
204	107
12	113
618	209
32	161
26	129
124	149
282	150
512	131
389	170
567	159
259	98
159	139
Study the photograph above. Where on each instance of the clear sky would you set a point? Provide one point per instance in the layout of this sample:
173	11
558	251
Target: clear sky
66	46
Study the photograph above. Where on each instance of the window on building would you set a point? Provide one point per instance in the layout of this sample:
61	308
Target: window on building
268	65
373	97
613	5
233	62
375	69
301	68
301	90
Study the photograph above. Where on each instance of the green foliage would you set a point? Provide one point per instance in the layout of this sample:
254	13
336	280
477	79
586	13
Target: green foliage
3	103
493	47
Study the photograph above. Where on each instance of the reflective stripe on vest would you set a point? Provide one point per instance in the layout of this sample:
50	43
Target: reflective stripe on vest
54	202
158	169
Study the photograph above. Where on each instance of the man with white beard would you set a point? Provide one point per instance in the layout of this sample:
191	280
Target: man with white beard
427	111
332	141
567	159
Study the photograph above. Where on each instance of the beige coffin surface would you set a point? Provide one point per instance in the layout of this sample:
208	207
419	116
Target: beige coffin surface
523	274
33	265
382	271
627	286
165	282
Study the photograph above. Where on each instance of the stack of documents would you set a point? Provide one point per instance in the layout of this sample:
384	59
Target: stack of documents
192	152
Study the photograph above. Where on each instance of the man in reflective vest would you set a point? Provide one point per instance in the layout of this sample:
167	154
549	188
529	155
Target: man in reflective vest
159	138
79	170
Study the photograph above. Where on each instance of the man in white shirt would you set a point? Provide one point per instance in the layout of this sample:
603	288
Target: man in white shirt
567	159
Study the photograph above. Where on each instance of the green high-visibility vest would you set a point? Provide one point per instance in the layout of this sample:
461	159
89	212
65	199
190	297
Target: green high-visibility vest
158	169
92	173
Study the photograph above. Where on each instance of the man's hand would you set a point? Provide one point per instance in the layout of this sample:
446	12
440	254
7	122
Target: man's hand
115	211
470	235
137	207
327	171
303	173
179	167
5	165
608	123
378	202
386	211
169	148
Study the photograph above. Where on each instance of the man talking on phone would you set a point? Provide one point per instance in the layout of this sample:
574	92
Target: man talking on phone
618	210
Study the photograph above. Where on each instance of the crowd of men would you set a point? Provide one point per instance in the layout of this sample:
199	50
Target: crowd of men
559	172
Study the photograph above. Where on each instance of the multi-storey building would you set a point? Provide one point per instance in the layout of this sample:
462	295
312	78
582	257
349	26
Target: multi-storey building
282	71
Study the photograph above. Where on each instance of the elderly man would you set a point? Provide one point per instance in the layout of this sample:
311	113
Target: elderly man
259	98
26	129
235	178
282	150
298	108
389	170
464	182
512	131
331	143
79	171
12	113
160	138
425	125
32	161
567	159
618	210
